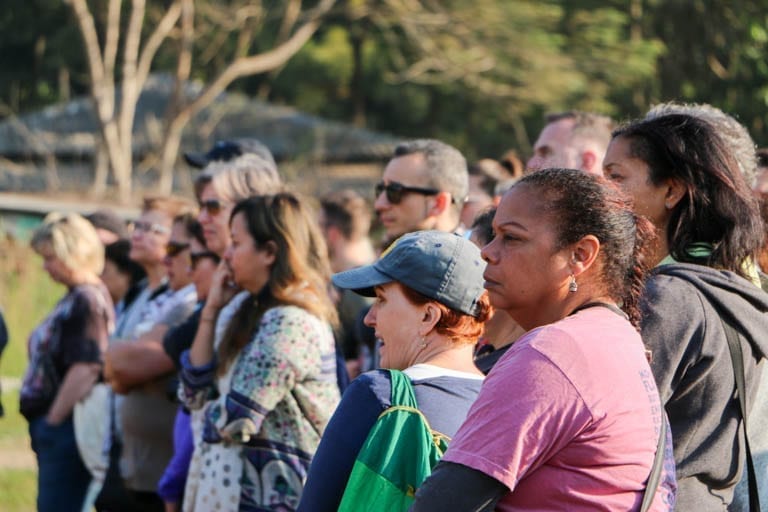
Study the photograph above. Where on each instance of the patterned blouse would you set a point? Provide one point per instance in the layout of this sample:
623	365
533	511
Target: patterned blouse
76	331
274	403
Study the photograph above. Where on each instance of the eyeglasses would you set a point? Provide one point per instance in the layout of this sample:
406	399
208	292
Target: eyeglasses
395	191
195	257
149	227
173	249
212	206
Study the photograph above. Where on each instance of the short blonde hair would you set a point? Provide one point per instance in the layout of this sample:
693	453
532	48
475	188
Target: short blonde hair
73	240
246	176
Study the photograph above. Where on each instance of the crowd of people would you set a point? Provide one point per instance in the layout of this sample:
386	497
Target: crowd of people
583	332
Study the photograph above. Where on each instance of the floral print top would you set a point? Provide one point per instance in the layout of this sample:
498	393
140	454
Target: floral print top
260	434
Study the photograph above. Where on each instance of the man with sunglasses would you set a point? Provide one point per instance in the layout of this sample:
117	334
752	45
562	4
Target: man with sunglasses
424	186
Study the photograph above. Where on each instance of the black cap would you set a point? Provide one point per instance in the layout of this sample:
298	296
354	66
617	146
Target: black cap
226	150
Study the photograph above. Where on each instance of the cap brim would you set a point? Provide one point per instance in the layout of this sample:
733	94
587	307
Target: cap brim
198	160
361	280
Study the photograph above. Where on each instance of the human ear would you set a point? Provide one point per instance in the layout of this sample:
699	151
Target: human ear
270	249
584	253
675	191
442	202
431	315
589	161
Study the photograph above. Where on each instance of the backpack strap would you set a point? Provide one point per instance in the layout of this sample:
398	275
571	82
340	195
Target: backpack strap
404	398
737	360
402	390
658	464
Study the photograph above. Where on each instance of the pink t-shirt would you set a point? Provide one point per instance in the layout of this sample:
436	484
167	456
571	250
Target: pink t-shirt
568	419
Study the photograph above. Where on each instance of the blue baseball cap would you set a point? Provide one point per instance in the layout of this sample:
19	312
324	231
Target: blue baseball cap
226	150
442	266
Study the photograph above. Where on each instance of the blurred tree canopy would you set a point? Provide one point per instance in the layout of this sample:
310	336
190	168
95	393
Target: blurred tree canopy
479	74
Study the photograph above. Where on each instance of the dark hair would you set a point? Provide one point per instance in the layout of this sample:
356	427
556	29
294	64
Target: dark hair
483	226
192	227
459	327
299	276
349	212
117	252
582	204
718	207
762	157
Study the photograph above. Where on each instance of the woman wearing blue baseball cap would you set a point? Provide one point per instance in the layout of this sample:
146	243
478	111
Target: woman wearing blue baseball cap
429	311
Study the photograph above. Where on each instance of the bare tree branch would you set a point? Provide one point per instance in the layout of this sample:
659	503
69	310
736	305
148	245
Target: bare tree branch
112	38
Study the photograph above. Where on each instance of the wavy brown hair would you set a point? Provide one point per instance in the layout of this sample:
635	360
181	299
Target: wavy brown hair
299	276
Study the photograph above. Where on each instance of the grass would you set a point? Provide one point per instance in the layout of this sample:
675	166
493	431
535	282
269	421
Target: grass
27	294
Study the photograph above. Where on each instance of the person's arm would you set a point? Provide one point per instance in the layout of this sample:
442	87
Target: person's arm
455	487
221	292
77	383
342	439
83	336
131	364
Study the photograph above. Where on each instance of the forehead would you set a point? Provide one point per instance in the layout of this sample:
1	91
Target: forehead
208	192
406	169
521	206
618	149
556	134
238	226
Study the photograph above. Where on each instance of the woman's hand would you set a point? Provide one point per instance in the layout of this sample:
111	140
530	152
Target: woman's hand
223	288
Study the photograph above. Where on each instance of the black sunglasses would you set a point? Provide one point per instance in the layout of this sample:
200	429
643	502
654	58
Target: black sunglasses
195	257
212	206
395	191
173	249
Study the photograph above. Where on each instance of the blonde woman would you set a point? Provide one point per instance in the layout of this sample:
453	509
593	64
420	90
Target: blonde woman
65	355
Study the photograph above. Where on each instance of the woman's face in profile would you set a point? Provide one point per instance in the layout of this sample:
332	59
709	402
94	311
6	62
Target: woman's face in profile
57	269
526	272
633	176
396	322
250	265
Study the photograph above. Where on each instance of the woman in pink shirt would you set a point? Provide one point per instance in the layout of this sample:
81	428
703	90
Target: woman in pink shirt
569	418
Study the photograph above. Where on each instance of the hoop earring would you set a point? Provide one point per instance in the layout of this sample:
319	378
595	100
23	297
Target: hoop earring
573	287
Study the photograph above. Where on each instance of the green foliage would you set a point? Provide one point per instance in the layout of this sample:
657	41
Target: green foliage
18	490
477	73
27	294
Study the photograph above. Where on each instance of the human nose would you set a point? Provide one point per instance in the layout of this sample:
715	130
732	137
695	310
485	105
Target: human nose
534	163
381	202
370	317
488	252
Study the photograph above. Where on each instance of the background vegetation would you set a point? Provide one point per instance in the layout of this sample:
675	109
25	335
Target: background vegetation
27	294
477	73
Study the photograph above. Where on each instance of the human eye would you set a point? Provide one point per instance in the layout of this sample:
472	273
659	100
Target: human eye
611	174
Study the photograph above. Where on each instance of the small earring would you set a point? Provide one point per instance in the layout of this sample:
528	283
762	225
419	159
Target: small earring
573	287
424	343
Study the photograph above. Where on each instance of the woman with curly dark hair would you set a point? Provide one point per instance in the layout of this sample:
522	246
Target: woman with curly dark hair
569	418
